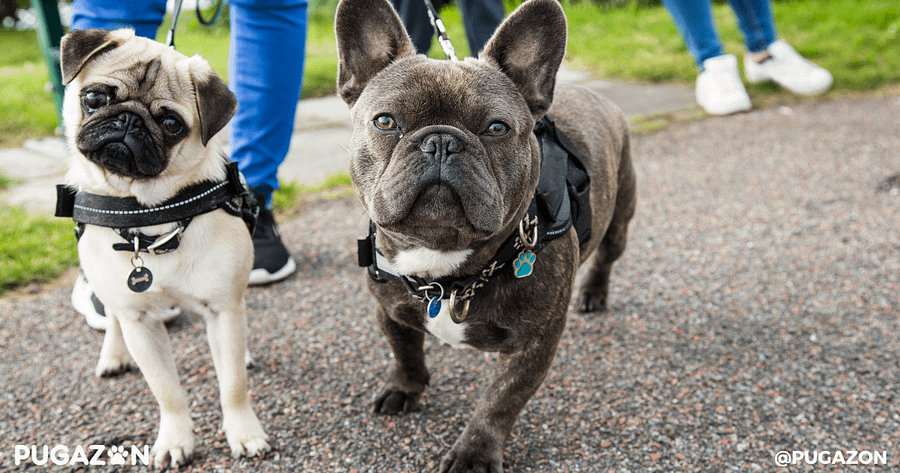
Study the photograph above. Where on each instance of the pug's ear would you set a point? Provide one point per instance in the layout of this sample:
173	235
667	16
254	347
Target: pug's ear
369	37
78	47
529	47
216	104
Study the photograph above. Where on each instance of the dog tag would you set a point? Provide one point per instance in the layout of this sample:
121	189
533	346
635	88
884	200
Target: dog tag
524	263
434	307
140	279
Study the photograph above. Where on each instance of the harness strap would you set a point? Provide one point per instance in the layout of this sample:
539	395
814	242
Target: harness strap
231	195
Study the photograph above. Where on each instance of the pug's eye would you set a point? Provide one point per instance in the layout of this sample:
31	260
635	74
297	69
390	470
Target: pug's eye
171	125
95	100
385	123
497	129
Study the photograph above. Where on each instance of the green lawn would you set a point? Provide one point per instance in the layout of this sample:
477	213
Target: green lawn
858	41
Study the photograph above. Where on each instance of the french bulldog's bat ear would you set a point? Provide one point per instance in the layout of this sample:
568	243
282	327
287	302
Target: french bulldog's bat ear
215	103
528	47
369	36
78	47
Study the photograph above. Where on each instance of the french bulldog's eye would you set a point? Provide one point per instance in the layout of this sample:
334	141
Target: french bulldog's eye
94	100
384	122
171	125
497	129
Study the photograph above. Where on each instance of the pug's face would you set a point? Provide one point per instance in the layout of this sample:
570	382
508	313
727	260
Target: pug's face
135	107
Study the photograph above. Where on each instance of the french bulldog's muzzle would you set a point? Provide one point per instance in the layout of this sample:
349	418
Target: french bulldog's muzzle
440	177
120	139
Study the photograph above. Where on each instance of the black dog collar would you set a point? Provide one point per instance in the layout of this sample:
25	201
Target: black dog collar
561	200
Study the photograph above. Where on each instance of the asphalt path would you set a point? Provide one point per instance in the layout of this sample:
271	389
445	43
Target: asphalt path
754	311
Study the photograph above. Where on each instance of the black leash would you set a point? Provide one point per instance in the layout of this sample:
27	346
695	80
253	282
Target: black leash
170	36
439	31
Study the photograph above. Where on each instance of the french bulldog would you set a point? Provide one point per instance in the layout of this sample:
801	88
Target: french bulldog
140	121
445	161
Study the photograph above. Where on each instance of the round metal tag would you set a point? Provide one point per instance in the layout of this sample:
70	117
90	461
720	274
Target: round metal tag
140	279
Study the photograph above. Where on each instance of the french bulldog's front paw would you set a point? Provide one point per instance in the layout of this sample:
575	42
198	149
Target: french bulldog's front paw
592	302
175	445
396	401
245	434
114	366
466	460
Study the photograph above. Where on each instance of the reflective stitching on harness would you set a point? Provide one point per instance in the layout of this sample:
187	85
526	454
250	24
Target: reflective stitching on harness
153	209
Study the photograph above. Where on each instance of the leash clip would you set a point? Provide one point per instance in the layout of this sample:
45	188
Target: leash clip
163	240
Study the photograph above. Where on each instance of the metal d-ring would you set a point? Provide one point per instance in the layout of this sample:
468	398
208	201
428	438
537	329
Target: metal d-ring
465	312
431	286
534	237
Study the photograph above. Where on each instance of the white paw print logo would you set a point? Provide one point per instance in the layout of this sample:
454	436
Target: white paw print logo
117	455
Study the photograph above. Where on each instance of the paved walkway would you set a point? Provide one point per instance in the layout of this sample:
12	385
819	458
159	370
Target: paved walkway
318	147
753	311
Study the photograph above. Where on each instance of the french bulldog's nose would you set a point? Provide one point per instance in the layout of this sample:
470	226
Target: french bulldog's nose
441	146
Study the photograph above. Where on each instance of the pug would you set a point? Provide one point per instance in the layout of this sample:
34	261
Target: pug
472	240
160	220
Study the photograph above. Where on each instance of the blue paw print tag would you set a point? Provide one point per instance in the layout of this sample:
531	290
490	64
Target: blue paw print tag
524	263
434	307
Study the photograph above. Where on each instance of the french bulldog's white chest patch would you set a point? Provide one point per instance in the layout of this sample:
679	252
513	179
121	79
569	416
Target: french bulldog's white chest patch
445	329
429	263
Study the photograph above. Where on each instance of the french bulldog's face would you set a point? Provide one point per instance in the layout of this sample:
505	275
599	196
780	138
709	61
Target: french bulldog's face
134	106
442	153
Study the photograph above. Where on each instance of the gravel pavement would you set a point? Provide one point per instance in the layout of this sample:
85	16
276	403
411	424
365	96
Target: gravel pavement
754	311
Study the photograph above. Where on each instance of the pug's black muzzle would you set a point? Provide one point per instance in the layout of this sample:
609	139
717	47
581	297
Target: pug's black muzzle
122	144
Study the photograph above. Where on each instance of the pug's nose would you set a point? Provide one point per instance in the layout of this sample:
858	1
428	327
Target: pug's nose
129	120
441	147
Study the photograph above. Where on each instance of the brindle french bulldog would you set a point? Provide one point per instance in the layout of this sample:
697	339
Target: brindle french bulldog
444	159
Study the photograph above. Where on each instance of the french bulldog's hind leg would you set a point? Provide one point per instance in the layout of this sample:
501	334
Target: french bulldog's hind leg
114	357
408	377
595	288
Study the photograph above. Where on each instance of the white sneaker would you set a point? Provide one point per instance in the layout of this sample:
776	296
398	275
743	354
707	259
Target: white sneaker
787	68
719	88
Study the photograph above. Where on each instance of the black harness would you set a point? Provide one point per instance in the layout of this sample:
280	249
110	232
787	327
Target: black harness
561	200
124	214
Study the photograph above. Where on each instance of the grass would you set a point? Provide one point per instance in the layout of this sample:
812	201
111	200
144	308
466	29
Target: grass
33	248
291	196
857	40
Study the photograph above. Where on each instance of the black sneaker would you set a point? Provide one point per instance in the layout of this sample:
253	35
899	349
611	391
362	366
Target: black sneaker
271	260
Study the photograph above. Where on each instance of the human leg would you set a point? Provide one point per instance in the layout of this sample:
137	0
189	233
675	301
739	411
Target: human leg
481	18
414	15
144	16
265	73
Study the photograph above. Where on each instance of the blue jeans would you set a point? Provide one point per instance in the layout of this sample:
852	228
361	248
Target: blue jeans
265	71
694	20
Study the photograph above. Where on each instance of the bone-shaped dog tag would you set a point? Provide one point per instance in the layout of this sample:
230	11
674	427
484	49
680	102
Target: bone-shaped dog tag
140	279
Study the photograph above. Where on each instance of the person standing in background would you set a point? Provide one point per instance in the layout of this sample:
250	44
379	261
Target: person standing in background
719	89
